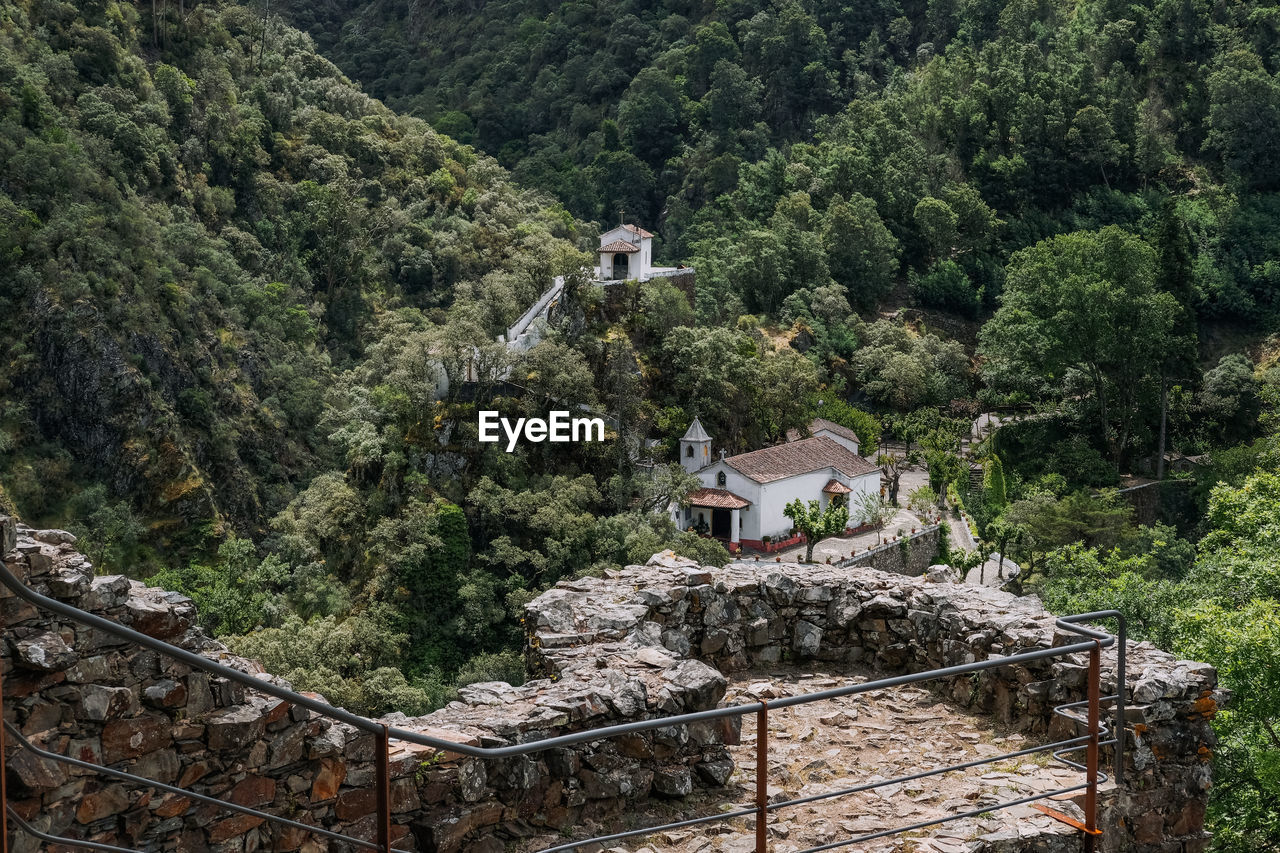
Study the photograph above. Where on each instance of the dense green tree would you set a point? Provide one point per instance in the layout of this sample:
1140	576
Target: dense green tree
1084	304
1244	119
861	252
649	116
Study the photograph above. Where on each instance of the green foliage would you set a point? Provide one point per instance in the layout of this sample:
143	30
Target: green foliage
193	237
922	500
815	522
746	393
1223	613
708	117
1244	644
110	532
872	508
1082	310
1043	522
236	594
995	492
947	285
351	661
906	370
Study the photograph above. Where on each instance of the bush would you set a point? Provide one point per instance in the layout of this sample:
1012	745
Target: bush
946	285
493	666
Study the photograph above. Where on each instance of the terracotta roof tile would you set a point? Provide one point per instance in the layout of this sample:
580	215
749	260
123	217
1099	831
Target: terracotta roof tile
717	499
636	229
835	487
619	246
818	424
799	457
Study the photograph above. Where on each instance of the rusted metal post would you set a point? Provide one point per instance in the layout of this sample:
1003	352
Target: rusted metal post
1091	792
1121	686
4	794
762	778
383	762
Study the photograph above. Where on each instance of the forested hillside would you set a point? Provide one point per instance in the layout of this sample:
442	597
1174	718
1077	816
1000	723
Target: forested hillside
196	233
248	313
785	144
232	285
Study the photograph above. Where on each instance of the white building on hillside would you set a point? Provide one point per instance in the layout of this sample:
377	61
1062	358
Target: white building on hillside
626	252
821	426
743	497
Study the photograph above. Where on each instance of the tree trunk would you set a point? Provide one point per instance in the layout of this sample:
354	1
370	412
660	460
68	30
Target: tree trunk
808	550
1099	388
1164	420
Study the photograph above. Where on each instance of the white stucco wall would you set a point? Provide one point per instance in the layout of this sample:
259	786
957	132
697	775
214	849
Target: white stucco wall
701	455
639	264
741	486
765	515
865	484
838	439
776	495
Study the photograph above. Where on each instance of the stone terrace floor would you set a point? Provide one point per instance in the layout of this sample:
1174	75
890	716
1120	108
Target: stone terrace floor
839	743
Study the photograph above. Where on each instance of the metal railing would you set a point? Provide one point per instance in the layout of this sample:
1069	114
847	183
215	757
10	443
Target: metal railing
1093	642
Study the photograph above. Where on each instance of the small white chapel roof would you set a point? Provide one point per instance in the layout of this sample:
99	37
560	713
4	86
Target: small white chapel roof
695	432
619	246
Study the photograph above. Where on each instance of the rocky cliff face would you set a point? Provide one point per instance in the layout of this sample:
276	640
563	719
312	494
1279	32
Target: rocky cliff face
649	641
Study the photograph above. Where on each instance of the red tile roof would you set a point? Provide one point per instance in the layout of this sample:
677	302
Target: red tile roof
835	487
717	499
619	246
636	229
799	457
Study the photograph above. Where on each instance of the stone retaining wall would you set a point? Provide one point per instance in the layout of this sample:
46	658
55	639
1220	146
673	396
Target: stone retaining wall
912	555
648	641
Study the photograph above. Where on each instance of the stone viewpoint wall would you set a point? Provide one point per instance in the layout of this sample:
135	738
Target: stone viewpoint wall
649	641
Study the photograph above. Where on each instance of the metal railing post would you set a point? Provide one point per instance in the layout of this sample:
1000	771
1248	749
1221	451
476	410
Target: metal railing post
383	762
1122	640
4	793
1091	792
762	777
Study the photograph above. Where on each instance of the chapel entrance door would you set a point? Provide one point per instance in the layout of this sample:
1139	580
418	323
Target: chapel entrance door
721	523
620	263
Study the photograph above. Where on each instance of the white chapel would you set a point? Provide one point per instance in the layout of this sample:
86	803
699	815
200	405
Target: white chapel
743	497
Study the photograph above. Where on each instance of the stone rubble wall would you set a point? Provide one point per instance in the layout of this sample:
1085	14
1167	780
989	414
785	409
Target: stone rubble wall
81	692
751	615
645	642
